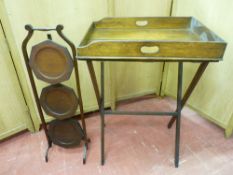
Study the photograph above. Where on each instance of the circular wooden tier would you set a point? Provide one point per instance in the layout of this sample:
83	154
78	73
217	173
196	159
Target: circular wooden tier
51	62
59	101
66	133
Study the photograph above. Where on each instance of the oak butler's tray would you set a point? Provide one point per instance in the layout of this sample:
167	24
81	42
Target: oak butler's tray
151	39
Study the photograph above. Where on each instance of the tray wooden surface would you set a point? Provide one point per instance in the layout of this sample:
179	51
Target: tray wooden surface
151	39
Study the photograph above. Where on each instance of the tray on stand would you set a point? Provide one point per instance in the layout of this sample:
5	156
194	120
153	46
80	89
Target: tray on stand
150	39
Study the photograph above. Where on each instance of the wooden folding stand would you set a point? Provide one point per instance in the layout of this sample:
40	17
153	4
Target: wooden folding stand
58	29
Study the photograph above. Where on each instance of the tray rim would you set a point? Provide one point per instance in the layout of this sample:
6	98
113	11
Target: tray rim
146	59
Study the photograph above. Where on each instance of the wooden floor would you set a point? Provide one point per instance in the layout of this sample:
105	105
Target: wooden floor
134	146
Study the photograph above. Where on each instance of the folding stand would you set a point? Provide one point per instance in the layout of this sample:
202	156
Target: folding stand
58	29
176	115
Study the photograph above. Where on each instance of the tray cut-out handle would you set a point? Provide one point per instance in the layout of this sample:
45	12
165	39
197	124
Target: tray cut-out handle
141	23
149	49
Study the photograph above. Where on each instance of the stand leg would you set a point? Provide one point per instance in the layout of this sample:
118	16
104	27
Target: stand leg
47	150
94	82
80	102
190	89
179	101
85	147
102	113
